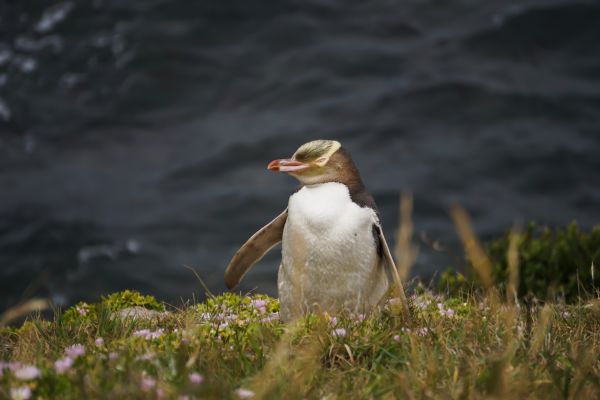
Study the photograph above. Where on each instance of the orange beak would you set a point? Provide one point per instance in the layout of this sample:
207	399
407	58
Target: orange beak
286	165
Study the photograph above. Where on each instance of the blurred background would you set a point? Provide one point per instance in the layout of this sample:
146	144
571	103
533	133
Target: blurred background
134	135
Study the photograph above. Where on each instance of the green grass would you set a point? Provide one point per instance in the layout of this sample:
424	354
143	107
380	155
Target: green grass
471	347
468	345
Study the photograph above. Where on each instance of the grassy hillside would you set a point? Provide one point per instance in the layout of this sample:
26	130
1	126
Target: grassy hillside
523	323
235	347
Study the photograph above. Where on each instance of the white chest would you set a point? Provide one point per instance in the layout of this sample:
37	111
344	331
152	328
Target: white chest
329	255
326	213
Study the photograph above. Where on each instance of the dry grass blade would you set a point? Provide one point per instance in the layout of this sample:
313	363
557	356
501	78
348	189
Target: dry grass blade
540	330
592	273
586	359
406	251
206	289
513	265
33	305
473	248
290	365
398	289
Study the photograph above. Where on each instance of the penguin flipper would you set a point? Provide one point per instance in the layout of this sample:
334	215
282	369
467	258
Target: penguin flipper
254	249
389	261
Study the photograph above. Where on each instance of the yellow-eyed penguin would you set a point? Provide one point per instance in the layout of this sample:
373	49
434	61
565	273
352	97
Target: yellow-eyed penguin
333	249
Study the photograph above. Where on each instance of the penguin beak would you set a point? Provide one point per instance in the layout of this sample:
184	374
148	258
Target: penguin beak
286	165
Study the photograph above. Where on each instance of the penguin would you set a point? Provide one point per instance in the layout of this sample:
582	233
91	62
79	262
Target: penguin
334	254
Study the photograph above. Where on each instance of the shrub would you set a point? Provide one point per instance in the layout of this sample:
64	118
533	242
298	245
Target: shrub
552	263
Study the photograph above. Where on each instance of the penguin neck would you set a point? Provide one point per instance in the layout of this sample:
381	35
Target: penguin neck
347	173
355	187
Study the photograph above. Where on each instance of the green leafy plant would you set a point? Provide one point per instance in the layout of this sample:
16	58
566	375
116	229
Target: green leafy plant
131	298
85	312
81	312
553	263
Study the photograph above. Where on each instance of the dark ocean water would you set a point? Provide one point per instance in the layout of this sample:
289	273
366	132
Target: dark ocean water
134	135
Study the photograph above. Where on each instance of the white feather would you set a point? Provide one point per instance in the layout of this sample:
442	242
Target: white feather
329	258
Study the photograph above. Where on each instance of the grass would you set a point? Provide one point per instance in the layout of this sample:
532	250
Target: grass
475	344
233	346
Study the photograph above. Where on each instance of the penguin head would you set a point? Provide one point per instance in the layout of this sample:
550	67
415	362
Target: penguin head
319	161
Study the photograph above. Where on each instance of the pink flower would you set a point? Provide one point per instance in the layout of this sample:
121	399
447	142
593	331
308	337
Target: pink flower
20	393
27	373
258	303
333	321
205	315
270	318
141	332
13	366
146	357
423	331
75	351
113	355
394	301
99	341
148	383
223	325
148	334
63	365
82	311
339	332
397	338
446	312
244	393
422	304
156	334
196	378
